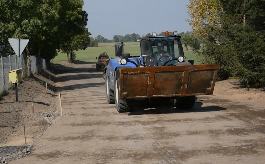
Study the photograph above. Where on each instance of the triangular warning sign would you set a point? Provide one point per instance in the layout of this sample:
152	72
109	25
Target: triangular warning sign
18	45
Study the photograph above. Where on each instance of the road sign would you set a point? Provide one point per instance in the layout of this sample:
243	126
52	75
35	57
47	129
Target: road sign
18	45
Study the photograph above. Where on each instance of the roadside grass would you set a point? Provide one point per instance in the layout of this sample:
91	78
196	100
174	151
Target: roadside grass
91	53
190	55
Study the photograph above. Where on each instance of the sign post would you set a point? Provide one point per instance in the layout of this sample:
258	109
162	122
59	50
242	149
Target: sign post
18	46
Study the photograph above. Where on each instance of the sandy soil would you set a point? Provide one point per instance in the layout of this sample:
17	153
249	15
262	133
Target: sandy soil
227	127
231	89
21	122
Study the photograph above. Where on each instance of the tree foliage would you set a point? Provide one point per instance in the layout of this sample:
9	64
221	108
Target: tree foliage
190	40
93	42
204	13
238	42
127	38
49	25
101	39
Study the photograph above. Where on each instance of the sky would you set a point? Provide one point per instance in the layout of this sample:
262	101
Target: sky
120	17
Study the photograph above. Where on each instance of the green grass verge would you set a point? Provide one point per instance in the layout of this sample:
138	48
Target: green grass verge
91	53
190	55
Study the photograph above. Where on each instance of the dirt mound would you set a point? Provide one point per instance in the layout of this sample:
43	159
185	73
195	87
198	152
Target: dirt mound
35	111
233	90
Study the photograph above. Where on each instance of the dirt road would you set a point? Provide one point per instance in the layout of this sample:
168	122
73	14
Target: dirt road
217	130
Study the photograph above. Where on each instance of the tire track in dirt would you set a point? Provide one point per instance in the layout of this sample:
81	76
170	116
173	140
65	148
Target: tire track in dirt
92	131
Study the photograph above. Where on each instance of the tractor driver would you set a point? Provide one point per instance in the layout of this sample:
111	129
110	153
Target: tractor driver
160	51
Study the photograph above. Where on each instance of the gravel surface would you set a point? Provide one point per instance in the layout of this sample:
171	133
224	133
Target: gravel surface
227	127
8	153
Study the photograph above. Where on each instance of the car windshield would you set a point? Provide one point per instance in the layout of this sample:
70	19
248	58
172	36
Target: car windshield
103	57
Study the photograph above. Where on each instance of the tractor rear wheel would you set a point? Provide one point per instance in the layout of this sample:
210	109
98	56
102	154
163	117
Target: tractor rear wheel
122	105
184	102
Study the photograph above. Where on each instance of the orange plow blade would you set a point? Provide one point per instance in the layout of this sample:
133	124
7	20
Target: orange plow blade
167	81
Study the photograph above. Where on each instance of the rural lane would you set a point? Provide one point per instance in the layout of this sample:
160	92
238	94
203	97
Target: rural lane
216	131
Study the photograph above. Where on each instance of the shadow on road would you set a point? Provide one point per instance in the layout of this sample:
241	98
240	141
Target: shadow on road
83	62
79	77
142	107
58	69
81	86
60	73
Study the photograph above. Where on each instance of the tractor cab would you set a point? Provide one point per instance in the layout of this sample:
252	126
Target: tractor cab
162	50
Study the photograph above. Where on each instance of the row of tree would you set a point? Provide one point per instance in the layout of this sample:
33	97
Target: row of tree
189	41
50	25
233	35
118	38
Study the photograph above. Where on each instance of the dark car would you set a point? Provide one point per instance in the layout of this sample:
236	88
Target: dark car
102	61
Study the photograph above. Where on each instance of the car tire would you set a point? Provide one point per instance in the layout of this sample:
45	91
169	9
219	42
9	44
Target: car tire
184	102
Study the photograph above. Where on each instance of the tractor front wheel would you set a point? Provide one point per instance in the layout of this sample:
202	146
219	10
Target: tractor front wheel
122	105
109	92
184	102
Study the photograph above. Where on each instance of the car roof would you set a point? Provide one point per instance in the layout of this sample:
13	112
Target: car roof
104	55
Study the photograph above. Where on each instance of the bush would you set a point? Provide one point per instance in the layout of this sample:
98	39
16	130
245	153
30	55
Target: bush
240	51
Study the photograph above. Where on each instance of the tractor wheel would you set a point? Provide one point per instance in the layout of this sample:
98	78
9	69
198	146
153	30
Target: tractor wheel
184	102
109	92
122	105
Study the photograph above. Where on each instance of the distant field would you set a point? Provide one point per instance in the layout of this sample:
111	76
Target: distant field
191	56
91	53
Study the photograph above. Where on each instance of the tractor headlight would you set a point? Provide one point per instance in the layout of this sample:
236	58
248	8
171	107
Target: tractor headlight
180	58
123	61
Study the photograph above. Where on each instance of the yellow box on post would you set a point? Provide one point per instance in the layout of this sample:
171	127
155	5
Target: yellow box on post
15	76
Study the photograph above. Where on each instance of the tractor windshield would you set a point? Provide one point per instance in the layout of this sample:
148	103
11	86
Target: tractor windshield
162	48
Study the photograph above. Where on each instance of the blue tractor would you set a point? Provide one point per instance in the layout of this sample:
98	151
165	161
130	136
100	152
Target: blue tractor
159	71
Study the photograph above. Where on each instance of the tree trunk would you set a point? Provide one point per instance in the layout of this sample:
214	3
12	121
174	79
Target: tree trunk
68	57
48	64
71	56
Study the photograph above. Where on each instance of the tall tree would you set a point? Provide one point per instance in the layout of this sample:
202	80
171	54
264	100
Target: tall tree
34	20
187	41
74	19
100	38
116	38
148	34
245	25
205	16
49	25
79	42
236	40
127	38
134	37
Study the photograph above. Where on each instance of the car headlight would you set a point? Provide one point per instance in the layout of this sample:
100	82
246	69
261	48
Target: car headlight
180	58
